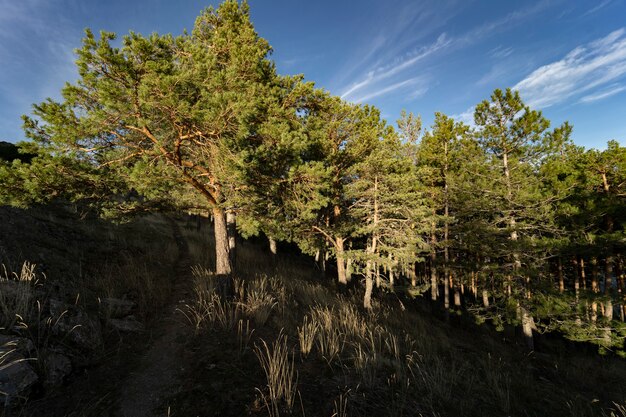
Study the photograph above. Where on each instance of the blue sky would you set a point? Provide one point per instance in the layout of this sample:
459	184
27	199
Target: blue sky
567	57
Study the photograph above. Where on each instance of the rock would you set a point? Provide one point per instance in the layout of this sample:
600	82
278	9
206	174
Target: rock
16	376
116	308
129	324
57	366
57	307
75	325
19	344
15	289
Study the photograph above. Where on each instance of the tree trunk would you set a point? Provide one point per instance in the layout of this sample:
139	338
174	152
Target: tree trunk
527	328
608	310
457	292
485	298
594	275
320	259
434	281
231	227
391	277
348	269
608	275
594	312
369	286
576	278
583	276
620	274
341	263
274	249
561	278
223	265
446	291
412	275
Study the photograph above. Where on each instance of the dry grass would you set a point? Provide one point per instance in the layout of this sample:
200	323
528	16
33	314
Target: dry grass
17	294
307	335
252	299
394	361
282	380
244	335
259	302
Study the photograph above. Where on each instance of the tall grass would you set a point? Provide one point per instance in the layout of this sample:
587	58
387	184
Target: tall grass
17	294
393	361
282	379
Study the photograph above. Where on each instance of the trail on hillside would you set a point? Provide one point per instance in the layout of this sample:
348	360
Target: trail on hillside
158	375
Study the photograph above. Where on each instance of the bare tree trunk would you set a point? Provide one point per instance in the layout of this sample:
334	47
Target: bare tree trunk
621	280
434	281
320	259
349	267
377	272
391	268
608	275
457	292
434	290
474	287
594	275
561	278
608	310
369	286
527	328
446	291
341	262
485	298
621	275
583	276
223	265
594	311
576	278
274	248
231	227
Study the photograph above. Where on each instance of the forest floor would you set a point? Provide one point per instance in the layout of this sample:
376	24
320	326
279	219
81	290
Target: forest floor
200	356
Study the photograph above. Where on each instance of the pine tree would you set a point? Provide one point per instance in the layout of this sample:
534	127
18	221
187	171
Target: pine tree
163	112
516	139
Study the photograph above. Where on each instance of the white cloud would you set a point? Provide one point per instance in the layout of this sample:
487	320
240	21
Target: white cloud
418	82
614	89
381	73
581	71
466	117
402	66
503	23
500	52
598	7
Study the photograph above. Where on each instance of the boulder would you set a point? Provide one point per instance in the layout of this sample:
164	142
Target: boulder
57	366
15	289
129	324
19	344
16	375
75	326
116	308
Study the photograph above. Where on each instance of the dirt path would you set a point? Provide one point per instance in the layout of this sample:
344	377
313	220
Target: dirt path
158	374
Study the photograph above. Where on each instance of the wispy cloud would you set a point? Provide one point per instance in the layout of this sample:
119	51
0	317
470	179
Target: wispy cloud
594	9
583	70
402	63
611	91
515	17
417	88
37	57
500	52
